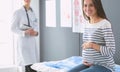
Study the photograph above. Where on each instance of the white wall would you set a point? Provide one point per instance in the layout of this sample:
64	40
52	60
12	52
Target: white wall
9	69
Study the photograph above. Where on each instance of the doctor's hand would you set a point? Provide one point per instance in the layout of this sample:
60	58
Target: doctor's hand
31	32
91	45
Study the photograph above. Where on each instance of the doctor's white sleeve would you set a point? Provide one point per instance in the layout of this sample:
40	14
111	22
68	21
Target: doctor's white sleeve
16	24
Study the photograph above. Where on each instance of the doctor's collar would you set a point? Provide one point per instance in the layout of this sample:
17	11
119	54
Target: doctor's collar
29	8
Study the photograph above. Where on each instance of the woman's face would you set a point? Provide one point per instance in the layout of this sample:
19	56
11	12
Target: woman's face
89	8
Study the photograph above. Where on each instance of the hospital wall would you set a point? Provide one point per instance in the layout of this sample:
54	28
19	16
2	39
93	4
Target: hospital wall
56	42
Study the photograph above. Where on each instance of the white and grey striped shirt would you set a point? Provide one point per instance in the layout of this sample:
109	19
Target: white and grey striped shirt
101	34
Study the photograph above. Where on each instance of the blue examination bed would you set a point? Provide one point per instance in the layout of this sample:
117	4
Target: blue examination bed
62	65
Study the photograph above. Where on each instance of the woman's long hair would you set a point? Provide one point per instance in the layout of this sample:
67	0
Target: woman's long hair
99	8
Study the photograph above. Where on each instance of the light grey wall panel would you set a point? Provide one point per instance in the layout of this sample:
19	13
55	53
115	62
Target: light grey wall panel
59	42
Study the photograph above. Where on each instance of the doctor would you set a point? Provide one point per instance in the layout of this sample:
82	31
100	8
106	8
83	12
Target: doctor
24	24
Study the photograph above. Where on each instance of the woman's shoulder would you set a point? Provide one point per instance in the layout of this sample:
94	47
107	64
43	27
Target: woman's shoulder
106	23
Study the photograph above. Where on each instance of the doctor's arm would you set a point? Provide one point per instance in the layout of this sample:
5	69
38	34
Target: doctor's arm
15	25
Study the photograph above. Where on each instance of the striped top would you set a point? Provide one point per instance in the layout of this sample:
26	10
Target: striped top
101	34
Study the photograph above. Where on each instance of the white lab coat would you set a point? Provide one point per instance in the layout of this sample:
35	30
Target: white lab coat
26	45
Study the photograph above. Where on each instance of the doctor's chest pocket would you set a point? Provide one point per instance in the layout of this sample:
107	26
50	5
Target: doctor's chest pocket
33	18
34	22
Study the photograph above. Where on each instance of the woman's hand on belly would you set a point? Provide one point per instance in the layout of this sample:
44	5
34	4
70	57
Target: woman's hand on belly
91	45
86	63
87	45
